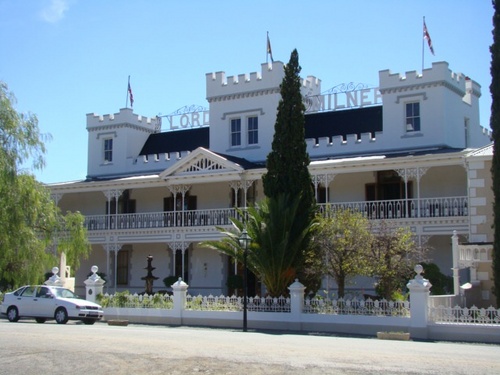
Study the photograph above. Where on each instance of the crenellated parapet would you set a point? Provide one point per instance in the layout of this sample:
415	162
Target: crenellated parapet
268	80
124	117
344	141
438	75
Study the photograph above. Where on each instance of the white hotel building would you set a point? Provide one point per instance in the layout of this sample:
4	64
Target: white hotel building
411	150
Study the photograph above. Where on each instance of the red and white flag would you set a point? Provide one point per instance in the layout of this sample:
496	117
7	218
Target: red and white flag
428	37
131	96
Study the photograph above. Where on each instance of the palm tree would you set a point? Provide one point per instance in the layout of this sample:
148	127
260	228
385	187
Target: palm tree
278	235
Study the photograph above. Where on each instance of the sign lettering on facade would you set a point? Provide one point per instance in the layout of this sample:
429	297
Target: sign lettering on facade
318	103
342	100
188	120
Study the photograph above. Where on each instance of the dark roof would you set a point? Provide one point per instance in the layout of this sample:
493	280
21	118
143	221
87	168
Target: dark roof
392	153
243	162
176	141
318	125
341	123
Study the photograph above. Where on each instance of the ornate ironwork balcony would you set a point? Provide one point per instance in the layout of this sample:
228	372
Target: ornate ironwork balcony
373	210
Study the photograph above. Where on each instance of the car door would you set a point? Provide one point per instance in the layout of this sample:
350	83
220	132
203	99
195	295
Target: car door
43	303
24	301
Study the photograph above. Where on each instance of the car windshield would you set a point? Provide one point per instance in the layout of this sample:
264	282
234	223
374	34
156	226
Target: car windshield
64	293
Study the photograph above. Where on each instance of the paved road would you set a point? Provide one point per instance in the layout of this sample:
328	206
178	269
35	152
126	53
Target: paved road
30	348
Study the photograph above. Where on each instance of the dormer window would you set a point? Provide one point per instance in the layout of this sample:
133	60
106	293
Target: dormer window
413	117
108	150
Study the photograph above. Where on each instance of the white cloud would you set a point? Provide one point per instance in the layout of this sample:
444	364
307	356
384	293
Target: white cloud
54	11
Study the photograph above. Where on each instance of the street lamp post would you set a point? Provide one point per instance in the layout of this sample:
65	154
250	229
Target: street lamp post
244	240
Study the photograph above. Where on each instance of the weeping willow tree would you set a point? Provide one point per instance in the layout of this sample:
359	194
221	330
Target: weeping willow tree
29	218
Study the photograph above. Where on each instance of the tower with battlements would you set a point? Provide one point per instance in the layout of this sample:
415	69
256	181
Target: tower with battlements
243	110
115	140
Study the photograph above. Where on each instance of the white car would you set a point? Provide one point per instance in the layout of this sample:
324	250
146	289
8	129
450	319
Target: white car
44	302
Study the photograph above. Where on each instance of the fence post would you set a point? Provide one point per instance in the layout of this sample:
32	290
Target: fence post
456	256
419	304
296	304
54	280
93	285
180	291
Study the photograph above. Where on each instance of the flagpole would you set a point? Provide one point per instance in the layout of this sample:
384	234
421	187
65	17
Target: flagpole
126	100
423	40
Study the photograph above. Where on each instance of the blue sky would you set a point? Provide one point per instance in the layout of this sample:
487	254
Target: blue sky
64	59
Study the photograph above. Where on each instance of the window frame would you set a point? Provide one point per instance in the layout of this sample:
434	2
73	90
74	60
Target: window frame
252	130
235	134
108	151
413	122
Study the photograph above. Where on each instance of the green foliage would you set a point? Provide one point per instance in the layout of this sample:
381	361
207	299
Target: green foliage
20	138
72	239
392	257
441	283
344	240
125	299
29	218
169	280
279	236
287	163
495	127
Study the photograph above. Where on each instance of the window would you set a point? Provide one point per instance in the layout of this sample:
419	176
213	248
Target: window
253	130
389	186
413	117
122	267
125	204
29	291
190	202
236	132
108	150
321	194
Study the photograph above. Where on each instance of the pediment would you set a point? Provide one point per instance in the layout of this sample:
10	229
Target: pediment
201	162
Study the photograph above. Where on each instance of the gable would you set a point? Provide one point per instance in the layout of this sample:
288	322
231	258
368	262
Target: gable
202	162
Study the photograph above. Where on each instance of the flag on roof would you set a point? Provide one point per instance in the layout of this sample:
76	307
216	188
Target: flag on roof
131	96
269	50
428	37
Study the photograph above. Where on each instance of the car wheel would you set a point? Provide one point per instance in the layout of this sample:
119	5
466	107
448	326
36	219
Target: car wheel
61	315
12	314
40	320
88	322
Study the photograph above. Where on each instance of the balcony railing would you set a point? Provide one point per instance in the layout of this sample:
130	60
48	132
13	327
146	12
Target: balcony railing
193	218
373	210
404	208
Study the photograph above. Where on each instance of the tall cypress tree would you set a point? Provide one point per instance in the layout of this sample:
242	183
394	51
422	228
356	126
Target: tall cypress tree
287	163
495	127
